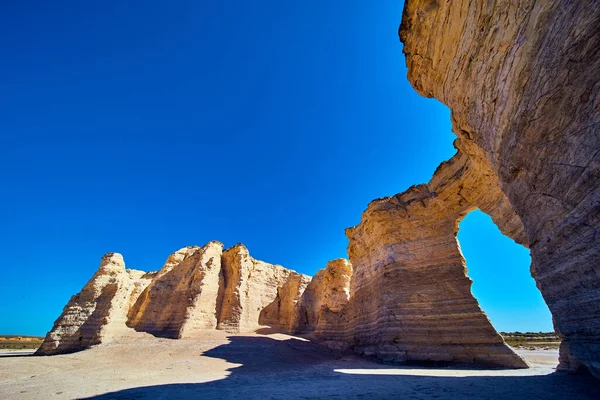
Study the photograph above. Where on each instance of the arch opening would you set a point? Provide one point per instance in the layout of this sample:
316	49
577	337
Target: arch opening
503	286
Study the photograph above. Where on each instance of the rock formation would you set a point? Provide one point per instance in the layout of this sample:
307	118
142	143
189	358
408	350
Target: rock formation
183	297
521	80
410	296
283	313
323	307
198	288
201	288
99	311
249	286
138	316
313	306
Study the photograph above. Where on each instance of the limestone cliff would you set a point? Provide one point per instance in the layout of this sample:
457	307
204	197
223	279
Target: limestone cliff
198	288
183	296
138	312
249	286
323	307
521	80
410	295
284	312
99	311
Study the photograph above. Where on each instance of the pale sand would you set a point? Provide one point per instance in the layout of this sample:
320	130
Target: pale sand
272	366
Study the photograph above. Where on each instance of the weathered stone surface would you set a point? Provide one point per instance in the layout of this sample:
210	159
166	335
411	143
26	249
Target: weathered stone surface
99	311
198	288
328	291
138	310
522	81
313	306
336	279
283	313
410	296
249	286
183	297
323	308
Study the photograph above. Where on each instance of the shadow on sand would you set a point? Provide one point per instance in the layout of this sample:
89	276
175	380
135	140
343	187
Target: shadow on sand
10	354
295	369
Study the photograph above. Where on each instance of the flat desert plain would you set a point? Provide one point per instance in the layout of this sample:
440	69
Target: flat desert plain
267	366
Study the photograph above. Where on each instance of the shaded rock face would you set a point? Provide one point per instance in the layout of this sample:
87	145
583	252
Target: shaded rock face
99	311
198	288
522	82
410	297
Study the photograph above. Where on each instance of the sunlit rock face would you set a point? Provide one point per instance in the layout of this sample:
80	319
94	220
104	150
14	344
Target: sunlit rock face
521	80
183	297
249	286
323	307
314	307
410	298
198	288
99	311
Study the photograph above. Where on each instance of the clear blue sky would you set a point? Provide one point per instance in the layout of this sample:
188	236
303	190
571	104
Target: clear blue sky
141	127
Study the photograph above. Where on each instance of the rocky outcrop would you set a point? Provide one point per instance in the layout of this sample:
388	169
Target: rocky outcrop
198	288
284	313
99	311
522	82
328	291
313	306
249	287
323	308
138	316
182	299
410	295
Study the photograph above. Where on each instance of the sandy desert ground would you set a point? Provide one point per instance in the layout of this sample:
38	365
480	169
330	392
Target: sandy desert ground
270	366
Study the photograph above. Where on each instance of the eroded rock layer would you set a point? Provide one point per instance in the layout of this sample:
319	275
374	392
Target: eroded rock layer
323	306
284	312
313	306
198	288
99	311
183	297
249	286
522	80
410	296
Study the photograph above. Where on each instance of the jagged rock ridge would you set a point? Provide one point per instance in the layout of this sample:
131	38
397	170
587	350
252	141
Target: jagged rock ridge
198	288
201	288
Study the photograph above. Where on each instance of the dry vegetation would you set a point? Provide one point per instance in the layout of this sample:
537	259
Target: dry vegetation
14	342
531	339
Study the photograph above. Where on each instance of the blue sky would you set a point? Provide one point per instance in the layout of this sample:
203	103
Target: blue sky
140	128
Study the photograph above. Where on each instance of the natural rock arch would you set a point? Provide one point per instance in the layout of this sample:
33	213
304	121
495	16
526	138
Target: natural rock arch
500	270
521	80
410	296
